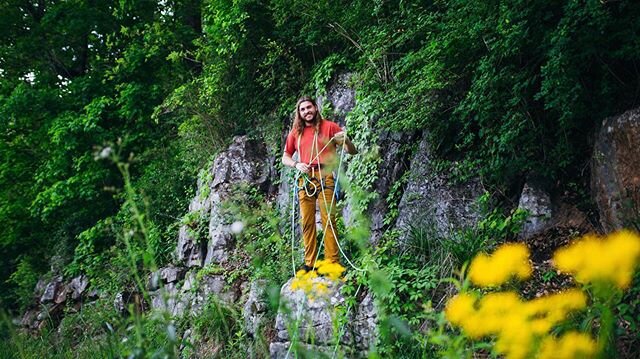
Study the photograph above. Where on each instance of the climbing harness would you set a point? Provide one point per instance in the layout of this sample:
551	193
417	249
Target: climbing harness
309	181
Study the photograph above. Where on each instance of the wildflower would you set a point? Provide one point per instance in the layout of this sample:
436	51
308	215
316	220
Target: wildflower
237	227
507	261
460	308
104	153
516	324
307	281
545	312
569	346
515	337
592	259
330	269
304	281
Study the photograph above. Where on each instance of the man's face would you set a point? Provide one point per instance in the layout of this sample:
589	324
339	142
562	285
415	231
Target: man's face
307	111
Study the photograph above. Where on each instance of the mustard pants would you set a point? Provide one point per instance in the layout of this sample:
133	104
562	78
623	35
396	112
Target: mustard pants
308	216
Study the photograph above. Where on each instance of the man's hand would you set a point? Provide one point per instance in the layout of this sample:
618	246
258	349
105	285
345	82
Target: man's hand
339	138
303	167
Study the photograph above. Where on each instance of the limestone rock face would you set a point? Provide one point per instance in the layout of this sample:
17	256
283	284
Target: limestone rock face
216	285
340	96
171	274
165	298
394	153
245	161
78	285
429	195
314	318
189	251
365	323
615	174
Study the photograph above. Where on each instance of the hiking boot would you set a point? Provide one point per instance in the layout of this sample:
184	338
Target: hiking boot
306	268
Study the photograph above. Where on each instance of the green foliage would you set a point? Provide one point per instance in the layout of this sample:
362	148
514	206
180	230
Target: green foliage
627	314
494	228
24	279
80	76
218	332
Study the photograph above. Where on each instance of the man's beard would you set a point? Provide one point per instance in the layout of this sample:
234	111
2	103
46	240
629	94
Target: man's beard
312	121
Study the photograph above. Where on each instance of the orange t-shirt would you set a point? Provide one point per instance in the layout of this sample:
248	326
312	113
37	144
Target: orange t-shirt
328	129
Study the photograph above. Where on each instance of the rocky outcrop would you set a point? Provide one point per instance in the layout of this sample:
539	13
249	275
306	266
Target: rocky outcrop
321	323
615	174
51	290
78	285
52	296
244	161
550	222
430	200
536	201
255	307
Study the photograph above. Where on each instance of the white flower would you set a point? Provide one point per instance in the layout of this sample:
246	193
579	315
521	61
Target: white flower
105	152
237	227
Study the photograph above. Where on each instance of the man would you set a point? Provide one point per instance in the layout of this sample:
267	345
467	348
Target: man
315	140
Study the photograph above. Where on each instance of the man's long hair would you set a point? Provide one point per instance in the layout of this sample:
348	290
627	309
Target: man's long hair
298	121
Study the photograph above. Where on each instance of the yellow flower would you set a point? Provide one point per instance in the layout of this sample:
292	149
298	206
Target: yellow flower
545	312
515	337
459	308
516	324
304	281
593	259
330	270
307	282
509	260
569	346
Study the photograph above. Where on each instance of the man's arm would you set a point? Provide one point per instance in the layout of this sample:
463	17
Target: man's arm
349	147
287	160
341	139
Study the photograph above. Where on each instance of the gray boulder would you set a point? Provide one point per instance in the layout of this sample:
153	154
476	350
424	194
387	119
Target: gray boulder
615	174
189	250
62	293
171	274
78	285
215	285
320	323
39	289
536	200
312	315
255	307
165	298
50	290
